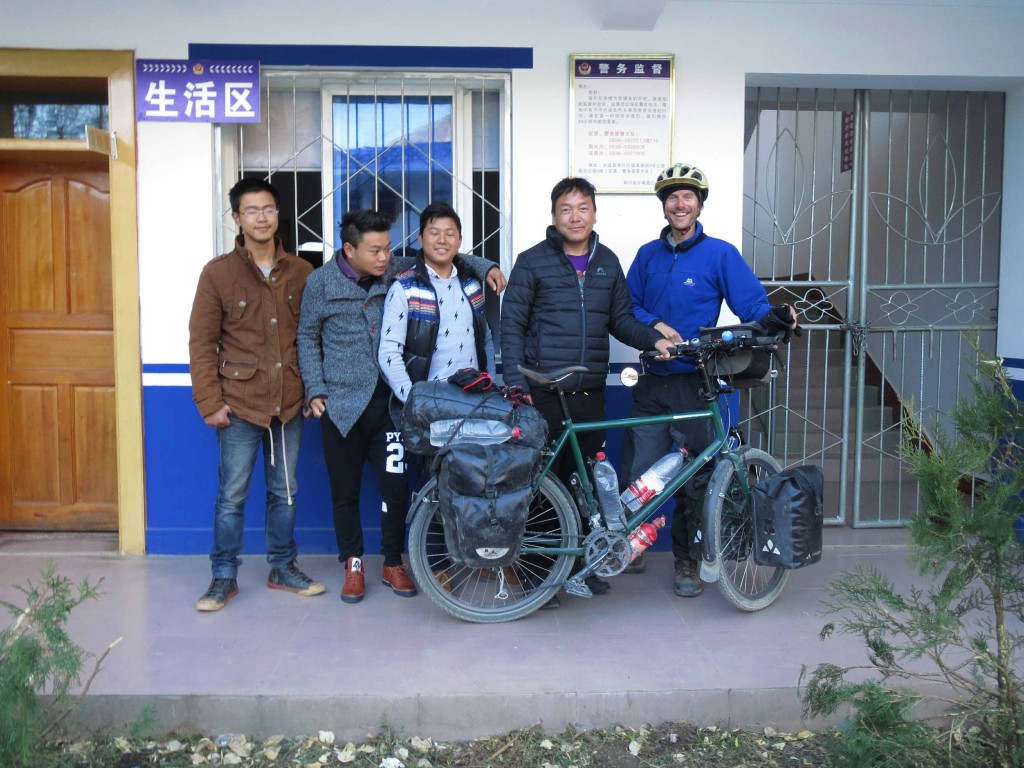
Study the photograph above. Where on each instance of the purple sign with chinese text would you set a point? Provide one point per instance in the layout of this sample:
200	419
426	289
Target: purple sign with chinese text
623	67
622	109
178	90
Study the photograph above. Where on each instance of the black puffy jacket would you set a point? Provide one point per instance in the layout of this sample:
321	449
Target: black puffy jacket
549	321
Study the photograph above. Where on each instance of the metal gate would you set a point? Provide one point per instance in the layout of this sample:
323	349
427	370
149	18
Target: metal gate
876	214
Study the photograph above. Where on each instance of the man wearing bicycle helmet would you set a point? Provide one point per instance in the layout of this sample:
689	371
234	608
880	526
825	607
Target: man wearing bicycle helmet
677	284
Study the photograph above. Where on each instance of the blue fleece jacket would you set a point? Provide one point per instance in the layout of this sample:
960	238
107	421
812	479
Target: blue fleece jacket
684	285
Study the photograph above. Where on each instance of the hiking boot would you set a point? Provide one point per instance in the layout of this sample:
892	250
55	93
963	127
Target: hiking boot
637	566
291	579
596	585
394	576
687	582
355	585
217	594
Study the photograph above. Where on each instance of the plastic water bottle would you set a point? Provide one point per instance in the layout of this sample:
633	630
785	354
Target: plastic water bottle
644	536
653	481
480	431
607	481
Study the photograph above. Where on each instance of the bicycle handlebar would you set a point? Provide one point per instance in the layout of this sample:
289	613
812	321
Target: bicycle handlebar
704	350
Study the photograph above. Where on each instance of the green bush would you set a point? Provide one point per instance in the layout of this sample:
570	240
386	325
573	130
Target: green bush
959	641
37	656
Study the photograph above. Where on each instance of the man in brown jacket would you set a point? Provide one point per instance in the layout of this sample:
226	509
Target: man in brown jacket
246	384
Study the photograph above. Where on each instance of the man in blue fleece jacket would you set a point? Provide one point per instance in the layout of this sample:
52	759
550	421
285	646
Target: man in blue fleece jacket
677	284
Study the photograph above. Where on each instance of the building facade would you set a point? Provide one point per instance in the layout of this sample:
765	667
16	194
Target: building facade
397	103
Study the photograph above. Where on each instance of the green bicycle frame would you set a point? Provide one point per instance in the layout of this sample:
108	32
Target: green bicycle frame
534	545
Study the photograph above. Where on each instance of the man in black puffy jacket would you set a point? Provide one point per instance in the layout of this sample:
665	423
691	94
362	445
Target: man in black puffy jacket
564	296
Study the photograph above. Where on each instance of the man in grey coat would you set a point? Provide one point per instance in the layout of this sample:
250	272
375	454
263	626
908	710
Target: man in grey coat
338	338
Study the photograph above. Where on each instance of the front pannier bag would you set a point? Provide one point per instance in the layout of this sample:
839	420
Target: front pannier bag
431	401
788	518
743	368
484	493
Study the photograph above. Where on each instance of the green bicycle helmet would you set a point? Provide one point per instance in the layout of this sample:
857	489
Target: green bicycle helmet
681	175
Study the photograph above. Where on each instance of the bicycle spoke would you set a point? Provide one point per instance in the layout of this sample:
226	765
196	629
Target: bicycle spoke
729	519
500	593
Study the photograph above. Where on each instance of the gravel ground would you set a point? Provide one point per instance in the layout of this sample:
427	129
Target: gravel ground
669	744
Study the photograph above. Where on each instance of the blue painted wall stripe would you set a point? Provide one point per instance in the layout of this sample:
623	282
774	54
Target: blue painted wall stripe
391	56
181	482
165	367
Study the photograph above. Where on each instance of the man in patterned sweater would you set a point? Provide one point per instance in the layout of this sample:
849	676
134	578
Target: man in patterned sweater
434	318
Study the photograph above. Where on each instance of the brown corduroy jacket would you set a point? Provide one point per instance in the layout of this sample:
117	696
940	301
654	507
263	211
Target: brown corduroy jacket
242	336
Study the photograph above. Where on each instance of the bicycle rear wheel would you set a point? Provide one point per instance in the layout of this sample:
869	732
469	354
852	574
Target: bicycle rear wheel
728	522
492	595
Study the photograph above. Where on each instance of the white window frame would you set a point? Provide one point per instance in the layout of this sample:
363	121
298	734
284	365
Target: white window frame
459	87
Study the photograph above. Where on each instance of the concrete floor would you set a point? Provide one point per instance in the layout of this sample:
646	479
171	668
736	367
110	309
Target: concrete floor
272	662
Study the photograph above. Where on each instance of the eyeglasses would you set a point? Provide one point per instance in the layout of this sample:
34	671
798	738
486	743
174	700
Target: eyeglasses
252	213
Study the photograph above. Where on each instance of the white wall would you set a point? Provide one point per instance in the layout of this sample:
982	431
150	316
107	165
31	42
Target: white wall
1011	308
720	47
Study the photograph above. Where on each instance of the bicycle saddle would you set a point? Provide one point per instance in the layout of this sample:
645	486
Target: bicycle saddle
555	377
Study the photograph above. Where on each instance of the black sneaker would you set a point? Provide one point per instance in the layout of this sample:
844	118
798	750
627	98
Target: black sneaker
596	585
217	594
687	580
291	579
637	566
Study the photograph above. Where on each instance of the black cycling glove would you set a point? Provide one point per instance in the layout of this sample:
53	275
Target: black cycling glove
471	380
777	320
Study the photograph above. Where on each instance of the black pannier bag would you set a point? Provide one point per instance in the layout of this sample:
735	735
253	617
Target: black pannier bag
484	494
744	368
788	518
431	401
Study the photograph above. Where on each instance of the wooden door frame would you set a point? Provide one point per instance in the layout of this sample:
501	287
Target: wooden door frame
118	68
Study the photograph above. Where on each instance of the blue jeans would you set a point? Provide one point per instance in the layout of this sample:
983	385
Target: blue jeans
239	444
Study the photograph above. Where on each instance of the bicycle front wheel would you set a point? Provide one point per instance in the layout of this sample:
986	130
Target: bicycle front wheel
729	525
492	595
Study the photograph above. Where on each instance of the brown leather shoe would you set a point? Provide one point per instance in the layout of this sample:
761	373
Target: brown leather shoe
355	582
444	579
395	577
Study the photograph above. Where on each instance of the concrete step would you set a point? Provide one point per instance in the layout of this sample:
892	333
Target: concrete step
445	679
803	442
883	502
812	416
816	389
880	502
874	468
798	357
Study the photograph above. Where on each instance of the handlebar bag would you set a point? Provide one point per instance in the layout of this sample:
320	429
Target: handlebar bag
788	517
741	368
431	401
484	494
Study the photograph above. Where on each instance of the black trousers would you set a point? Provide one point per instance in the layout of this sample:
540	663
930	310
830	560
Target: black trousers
583	406
642	446
374	439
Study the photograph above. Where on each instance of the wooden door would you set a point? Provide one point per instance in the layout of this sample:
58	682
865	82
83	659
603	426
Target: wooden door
58	459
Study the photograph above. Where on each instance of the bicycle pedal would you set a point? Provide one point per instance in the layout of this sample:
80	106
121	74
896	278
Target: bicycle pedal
578	588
